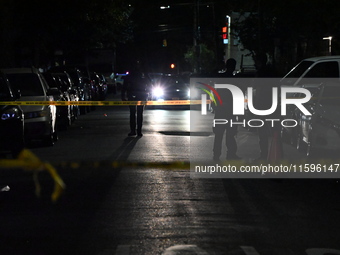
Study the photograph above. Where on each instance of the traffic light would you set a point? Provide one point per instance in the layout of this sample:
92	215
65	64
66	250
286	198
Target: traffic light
172	66
225	34
165	43
225	30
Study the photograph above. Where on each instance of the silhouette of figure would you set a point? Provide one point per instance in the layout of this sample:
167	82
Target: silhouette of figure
263	101
135	89
225	111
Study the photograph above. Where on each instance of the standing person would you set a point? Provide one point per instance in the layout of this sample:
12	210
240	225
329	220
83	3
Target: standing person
263	101
225	111
135	89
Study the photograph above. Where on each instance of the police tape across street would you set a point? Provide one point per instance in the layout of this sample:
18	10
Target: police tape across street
104	103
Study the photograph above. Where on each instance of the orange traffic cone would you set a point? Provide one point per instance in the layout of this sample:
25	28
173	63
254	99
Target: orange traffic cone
275	153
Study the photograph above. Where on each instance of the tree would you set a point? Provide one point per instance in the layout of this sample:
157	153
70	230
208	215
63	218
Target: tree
293	28
201	59
38	28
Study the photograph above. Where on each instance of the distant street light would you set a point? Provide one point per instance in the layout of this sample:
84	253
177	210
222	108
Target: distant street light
329	38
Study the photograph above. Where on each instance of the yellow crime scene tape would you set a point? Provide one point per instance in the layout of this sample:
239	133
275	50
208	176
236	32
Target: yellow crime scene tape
30	162
105	103
120	103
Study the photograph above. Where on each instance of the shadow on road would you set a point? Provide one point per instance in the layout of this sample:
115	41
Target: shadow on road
123	152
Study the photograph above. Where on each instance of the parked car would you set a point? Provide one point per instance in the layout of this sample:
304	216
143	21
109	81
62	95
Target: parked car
40	120
103	87
61	94
100	86
12	119
321	130
72	91
313	71
80	82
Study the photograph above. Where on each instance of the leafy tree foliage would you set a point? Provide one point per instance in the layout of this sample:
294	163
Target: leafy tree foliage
38	28
201	59
295	28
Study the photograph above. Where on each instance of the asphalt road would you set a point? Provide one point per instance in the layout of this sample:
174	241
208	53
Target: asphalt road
159	209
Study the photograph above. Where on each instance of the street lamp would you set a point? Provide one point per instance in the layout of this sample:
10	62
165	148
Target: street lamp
329	38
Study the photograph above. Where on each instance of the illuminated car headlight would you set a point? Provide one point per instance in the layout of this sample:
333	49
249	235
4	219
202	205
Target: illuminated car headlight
30	115
158	92
193	93
11	113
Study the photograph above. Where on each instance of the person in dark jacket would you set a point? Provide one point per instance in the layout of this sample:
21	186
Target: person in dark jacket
225	111
135	88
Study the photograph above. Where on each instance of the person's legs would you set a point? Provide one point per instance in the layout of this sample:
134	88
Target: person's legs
264	133
219	132
140	109
132	120
231	142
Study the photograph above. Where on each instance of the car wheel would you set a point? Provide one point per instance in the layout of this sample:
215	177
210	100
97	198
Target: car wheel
49	139
55	136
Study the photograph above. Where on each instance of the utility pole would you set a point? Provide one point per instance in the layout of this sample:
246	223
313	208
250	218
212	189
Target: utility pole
197	47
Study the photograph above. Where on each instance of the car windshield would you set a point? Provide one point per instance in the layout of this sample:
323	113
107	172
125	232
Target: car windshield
296	72
5	93
299	69
28	83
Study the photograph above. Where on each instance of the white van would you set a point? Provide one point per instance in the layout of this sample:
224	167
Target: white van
40	120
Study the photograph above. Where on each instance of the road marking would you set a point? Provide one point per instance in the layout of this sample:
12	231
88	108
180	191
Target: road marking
180	249
195	250
249	250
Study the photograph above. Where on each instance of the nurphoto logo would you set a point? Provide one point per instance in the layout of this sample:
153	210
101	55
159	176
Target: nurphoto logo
280	97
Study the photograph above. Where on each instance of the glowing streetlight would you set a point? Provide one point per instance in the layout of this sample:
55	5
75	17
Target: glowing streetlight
329	38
